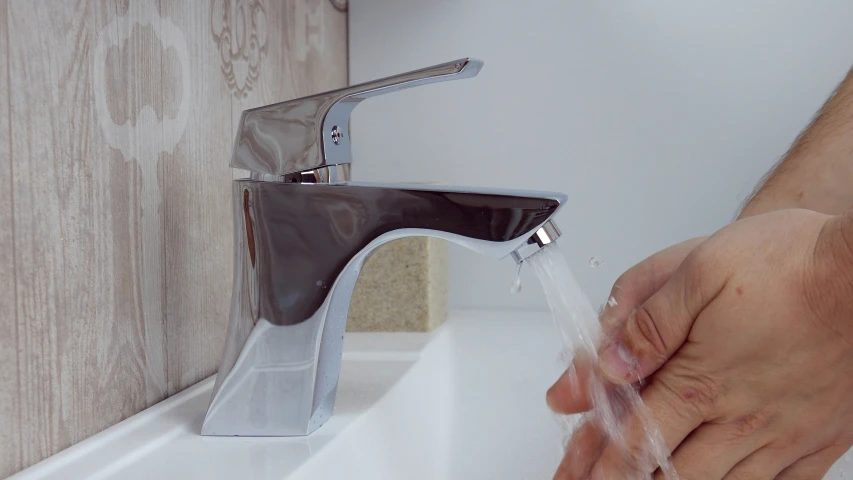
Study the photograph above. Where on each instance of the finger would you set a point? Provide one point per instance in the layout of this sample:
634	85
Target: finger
656	329
570	394
767	462
674	417
714	449
815	465
584	448
641	281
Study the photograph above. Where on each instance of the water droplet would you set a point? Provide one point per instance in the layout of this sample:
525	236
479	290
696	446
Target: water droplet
516	284
594	262
319	283
611	302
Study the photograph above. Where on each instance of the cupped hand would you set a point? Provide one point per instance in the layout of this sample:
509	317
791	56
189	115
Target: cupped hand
747	352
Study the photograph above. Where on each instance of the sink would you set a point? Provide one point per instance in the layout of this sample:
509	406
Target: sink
466	401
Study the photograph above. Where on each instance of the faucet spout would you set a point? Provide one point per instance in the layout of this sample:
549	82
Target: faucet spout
546	234
299	249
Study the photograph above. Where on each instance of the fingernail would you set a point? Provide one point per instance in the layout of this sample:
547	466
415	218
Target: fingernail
617	362
609	324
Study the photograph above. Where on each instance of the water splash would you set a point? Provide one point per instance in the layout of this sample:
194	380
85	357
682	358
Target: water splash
577	323
595	262
516	283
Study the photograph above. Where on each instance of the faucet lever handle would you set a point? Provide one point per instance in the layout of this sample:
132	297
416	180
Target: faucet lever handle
313	132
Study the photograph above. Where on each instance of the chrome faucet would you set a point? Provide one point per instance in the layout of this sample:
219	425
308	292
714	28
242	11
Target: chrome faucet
302	231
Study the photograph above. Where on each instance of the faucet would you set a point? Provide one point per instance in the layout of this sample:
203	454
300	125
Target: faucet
302	231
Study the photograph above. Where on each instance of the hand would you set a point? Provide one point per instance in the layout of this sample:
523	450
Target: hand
633	288
749	352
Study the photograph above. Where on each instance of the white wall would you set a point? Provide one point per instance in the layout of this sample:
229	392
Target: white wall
655	116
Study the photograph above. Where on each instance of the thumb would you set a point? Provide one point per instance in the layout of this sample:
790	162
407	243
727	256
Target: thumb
658	327
570	394
641	281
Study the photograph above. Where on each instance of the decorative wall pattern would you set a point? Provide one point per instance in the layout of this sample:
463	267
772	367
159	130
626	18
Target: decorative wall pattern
116	125
239	28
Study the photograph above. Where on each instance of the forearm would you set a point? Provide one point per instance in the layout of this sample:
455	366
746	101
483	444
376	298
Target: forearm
817	172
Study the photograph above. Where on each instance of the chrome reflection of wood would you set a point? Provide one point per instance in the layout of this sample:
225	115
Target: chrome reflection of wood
297	135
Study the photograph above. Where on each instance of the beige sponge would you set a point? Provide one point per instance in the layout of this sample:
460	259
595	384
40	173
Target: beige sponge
402	288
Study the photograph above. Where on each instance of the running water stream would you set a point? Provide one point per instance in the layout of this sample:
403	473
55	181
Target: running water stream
577	323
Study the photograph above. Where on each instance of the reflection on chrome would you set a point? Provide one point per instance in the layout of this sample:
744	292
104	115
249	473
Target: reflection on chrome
302	232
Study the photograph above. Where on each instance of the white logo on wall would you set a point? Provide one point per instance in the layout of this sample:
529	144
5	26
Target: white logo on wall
140	141
139	134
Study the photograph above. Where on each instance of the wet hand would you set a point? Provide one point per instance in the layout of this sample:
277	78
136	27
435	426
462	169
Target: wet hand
632	288
747	352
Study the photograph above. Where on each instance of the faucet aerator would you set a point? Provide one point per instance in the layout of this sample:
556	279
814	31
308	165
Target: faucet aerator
546	234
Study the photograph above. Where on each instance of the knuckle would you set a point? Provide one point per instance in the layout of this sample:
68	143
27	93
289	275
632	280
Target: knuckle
644	335
749	424
700	393
631	462
628	460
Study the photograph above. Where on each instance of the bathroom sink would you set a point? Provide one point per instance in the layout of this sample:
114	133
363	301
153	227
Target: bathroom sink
466	401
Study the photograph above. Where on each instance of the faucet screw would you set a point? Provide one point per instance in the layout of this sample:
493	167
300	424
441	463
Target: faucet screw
336	134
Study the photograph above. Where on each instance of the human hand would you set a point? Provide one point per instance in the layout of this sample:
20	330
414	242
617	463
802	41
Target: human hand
749	352
632	288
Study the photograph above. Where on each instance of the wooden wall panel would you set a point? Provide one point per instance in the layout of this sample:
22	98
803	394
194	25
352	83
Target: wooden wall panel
10	458
117	120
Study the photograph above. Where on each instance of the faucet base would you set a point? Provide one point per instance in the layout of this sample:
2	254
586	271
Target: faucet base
269	391
299	249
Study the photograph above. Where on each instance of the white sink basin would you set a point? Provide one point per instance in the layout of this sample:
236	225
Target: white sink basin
465	402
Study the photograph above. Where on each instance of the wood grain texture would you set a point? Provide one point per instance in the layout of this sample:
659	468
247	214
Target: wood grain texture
10	458
116	124
198	225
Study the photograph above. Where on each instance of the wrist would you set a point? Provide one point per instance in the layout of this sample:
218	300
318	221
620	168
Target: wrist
772	195
798	188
